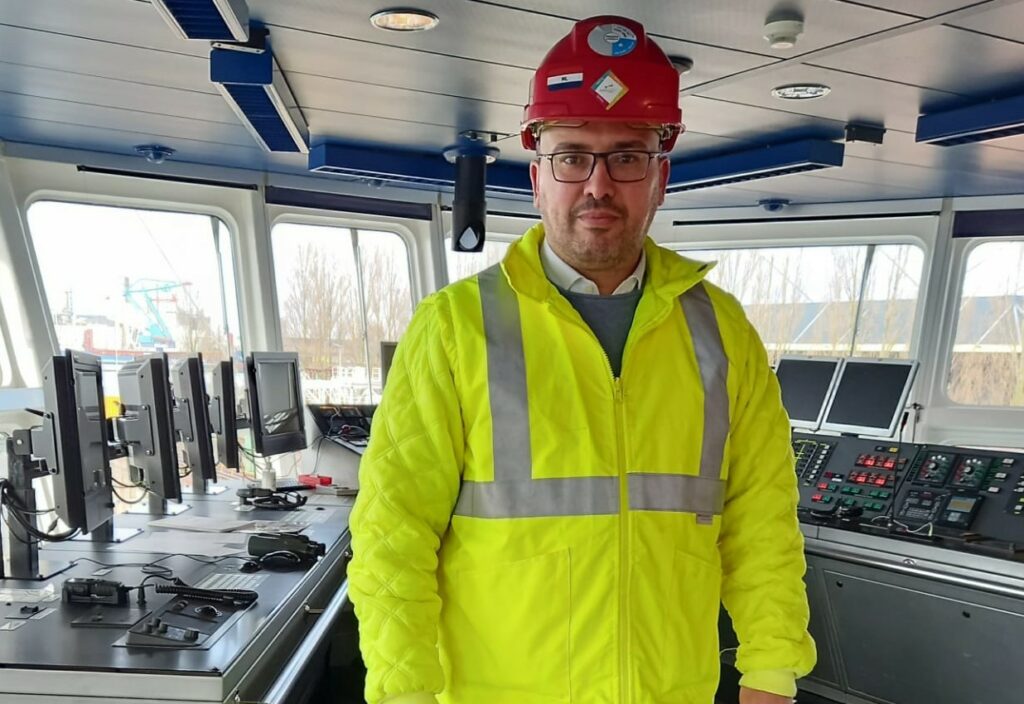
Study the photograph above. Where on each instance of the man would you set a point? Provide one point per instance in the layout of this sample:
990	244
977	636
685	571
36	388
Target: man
582	452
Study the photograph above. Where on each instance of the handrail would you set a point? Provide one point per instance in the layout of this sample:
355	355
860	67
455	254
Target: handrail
289	676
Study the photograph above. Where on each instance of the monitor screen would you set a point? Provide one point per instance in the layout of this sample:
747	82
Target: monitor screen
222	414
870	396
73	440
275	394
192	415
806	383
146	425
387	356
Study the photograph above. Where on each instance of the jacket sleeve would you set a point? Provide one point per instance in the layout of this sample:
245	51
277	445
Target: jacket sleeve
761	544
408	485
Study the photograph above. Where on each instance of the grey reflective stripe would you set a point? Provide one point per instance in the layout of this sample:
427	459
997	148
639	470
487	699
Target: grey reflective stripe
714	370
514	493
575	496
506	377
682	493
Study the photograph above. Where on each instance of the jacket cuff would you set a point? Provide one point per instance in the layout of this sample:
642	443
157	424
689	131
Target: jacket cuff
781	682
411	698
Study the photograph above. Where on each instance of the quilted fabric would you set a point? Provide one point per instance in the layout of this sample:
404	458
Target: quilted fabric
603	609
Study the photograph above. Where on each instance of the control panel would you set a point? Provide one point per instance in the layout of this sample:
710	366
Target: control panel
964	498
183	622
849	477
959	491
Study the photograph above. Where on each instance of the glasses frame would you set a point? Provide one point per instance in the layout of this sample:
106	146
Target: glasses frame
651	156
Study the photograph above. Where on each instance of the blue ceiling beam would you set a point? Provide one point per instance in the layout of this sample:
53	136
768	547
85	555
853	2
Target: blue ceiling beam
256	89
756	163
208	20
410	168
973	123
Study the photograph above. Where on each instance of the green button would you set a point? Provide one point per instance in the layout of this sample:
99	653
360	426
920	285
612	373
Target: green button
826	499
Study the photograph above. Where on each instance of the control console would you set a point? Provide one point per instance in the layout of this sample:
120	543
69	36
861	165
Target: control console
959	491
849	477
964	498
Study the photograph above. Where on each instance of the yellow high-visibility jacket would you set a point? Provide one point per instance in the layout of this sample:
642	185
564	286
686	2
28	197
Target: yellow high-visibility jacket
532	530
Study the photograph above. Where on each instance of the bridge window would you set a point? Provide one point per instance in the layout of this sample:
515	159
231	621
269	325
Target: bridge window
340	293
817	300
122	282
987	366
465	264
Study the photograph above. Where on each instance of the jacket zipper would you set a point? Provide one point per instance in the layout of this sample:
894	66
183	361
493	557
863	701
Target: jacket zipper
624	620
620	445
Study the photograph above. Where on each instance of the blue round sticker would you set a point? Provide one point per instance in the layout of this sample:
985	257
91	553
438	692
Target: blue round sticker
611	40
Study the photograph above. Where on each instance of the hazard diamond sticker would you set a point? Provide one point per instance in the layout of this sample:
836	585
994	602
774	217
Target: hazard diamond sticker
609	89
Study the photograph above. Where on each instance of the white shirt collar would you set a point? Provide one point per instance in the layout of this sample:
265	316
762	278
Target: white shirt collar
564	276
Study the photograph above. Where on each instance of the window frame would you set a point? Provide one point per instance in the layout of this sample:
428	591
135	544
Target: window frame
136	203
961	250
916	230
354	225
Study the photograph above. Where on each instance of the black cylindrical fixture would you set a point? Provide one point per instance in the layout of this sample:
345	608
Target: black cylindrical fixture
469	211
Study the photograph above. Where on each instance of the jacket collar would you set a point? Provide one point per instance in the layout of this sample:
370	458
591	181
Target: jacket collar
668	274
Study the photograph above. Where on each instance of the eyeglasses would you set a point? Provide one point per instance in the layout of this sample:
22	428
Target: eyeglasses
577	167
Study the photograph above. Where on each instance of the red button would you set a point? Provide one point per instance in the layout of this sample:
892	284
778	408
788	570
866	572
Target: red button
823	486
890	464
816	497
880	481
869	462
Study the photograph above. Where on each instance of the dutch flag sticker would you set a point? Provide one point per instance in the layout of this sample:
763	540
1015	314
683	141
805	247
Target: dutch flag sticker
565	80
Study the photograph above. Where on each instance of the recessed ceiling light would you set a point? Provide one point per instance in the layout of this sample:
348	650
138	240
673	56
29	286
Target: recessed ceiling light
801	91
404	19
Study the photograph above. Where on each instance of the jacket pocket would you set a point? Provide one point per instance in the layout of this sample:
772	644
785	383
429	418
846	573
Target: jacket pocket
505	629
691	661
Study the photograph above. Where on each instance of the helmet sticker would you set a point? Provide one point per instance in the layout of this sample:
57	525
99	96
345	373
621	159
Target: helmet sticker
565	80
609	89
611	40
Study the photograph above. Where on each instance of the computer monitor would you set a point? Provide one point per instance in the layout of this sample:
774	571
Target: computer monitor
870	396
192	415
146	425
73	440
275	402
387	356
222	414
806	383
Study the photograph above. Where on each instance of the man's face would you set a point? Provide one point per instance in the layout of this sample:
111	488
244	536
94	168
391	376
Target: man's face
598	224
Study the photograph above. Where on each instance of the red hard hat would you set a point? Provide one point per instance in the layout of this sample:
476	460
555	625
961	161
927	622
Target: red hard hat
605	69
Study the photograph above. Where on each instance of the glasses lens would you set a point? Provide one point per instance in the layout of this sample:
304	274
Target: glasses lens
628	166
572	166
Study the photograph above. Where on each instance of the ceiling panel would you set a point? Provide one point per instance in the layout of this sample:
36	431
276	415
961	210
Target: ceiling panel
736	24
753	124
1004	22
941	58
919	8
106	75
114	118
484	32
146	66
102	139
128	23
83	88
854	98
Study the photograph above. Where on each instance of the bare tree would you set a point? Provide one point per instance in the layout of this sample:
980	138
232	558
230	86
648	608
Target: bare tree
320	315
